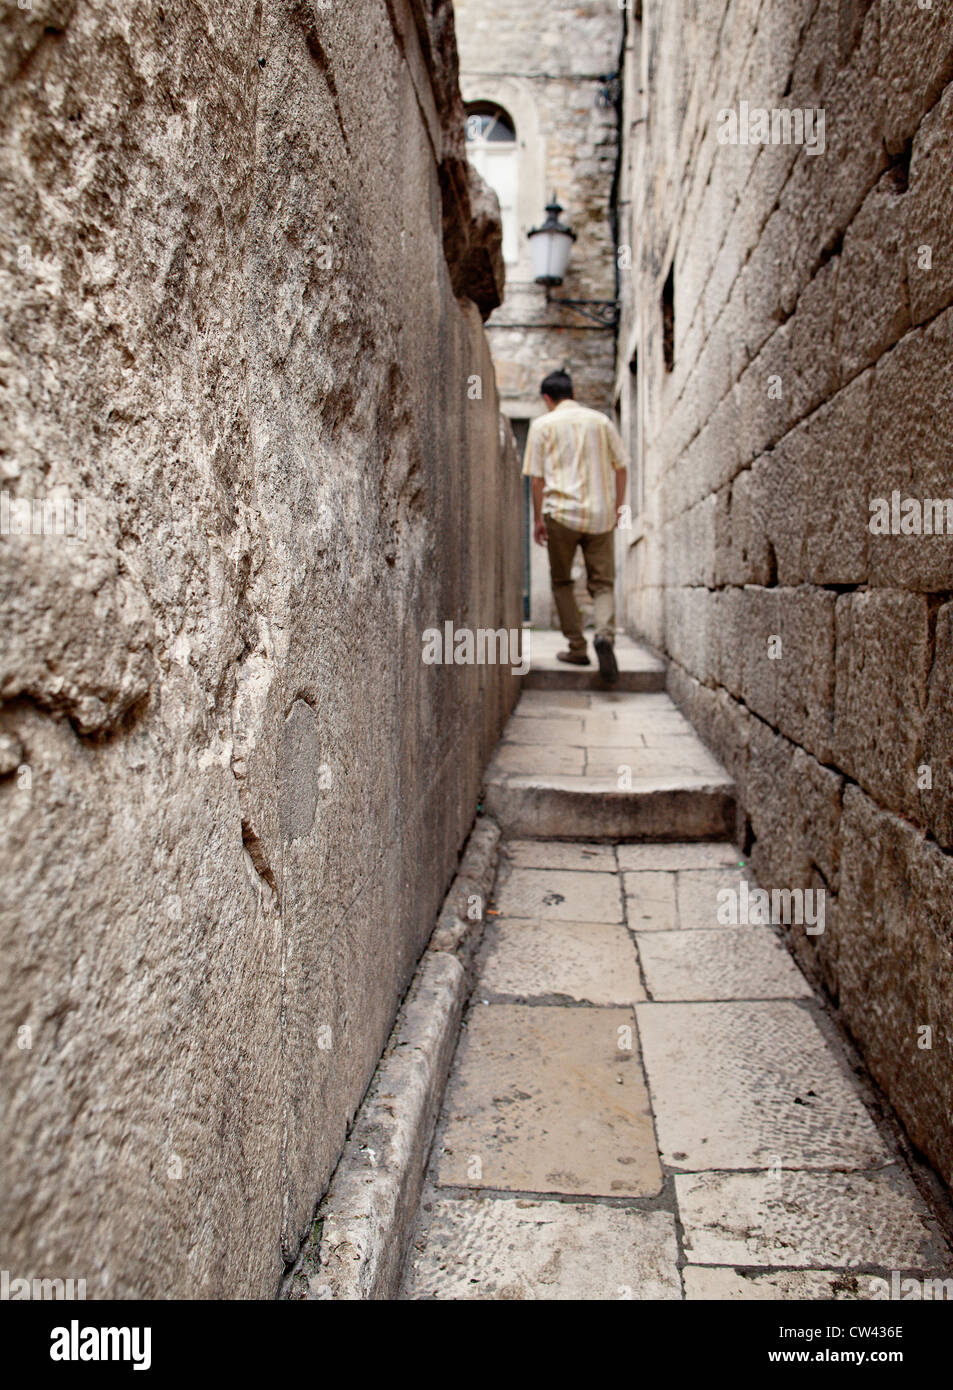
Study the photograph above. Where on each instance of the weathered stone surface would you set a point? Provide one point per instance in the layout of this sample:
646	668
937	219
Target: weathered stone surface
929	270
911	422
731	963
916	62
894	948
590	962
805	701
873	298
883	659
716	855
828	1220
537	854
697	894
780	1095
549	1100
231	331
936	799
712	1282
531	1250
650	903
646	775
560	894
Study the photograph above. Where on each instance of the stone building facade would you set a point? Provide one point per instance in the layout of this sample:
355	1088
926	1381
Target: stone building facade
552	71
787	344
243	268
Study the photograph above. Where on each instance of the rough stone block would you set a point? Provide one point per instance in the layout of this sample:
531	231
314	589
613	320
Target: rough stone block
805	673
765	396
895	966
814	363
872	299
832	452
688	628
761	616
824	191
936	801
916	62
928	207
911	424
883	660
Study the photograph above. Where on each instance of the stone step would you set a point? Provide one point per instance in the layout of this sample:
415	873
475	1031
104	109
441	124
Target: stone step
583	807
606	765
639	670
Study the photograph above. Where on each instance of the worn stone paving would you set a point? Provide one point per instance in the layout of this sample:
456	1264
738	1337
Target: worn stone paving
645	1103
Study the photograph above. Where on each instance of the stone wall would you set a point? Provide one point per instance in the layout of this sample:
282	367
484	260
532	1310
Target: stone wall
809	375
241	272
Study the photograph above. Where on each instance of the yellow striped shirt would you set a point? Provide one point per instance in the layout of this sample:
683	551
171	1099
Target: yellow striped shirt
576	451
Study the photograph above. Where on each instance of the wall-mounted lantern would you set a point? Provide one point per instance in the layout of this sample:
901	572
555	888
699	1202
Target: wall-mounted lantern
551	246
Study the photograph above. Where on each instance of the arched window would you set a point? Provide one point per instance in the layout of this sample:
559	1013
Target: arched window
493	152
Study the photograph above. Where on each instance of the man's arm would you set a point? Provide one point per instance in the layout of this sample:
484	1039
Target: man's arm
534	470
539	525
620	464
621	478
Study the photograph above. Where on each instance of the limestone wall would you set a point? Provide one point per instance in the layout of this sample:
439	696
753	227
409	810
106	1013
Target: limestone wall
240	258
813	338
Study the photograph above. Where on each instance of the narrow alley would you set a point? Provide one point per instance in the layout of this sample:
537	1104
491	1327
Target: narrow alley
476	672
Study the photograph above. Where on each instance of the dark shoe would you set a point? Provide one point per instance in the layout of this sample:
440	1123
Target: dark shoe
574	658
608	667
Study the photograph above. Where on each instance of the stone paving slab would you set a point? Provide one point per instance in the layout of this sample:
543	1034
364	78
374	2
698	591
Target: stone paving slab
534	728
828	1220
499	1249
744	1085
709	1282
554	704
639	728
542	1099
541	759
697	894
687	760
650	903
550	854
589	962
703	855
561	895
732	963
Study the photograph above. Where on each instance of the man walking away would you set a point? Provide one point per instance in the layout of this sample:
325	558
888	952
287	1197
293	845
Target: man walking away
577	463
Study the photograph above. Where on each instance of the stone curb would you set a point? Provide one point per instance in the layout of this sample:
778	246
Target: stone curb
363	1226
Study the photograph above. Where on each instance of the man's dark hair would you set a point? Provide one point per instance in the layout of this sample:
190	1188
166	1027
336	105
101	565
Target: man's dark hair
558	387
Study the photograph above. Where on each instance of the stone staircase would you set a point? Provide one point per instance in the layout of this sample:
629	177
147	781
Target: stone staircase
579	760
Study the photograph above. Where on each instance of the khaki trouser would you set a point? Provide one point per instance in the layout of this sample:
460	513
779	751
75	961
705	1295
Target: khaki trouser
599	555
